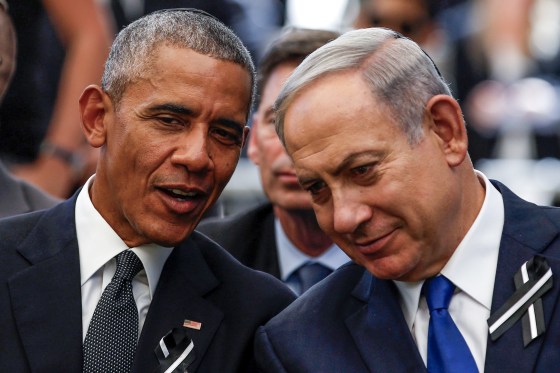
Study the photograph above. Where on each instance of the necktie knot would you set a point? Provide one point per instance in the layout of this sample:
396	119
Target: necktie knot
128	265
439	291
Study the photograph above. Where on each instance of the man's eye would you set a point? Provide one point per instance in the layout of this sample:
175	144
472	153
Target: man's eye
315	188
226	137
362	170
169	120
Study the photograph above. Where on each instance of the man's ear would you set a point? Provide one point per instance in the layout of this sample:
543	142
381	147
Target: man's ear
447	123
95	105
252	148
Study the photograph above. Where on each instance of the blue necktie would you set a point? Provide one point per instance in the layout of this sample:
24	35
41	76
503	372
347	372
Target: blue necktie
447	350
311	273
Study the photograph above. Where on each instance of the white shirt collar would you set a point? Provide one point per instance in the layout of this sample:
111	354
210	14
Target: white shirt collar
98	243
478	250
291	258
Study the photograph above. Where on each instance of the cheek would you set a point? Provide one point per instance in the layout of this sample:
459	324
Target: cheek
224	166
272	149
324	215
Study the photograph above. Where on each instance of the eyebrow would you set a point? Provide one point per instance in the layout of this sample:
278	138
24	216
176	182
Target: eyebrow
352	158
342	166
177	109
182	110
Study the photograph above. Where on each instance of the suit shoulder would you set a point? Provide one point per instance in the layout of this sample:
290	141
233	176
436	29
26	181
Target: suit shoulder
325	302
37	199
242	279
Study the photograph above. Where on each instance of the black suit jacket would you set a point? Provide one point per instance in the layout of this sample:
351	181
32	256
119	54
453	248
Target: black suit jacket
249	236
353	322
40	299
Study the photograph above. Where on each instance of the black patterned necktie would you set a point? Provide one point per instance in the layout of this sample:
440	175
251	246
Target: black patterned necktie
112	335
311	273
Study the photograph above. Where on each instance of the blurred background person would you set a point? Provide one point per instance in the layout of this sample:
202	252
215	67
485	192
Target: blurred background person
506	73
17	196
505	77
280	236
415	19
62	45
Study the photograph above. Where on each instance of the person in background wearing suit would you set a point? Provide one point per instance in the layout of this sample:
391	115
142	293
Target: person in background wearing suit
114	279
17	196
451	272
282	236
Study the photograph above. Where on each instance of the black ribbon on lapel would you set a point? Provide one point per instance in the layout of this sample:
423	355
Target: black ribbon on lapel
533	320
175	352
533	279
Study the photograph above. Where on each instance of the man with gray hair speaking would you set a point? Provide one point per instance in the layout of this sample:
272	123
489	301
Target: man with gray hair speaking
115	279
451	272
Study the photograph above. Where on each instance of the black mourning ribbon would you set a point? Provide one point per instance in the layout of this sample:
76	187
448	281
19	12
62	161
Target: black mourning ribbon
533	279
175	352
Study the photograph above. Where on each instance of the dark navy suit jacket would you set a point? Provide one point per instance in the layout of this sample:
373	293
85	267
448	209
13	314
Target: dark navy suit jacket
249	236
40	299
352	321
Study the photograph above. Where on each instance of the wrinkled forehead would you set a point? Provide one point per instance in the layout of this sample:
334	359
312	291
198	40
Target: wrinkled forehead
326	106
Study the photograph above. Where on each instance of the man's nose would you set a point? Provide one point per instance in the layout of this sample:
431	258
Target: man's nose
193	153
349	212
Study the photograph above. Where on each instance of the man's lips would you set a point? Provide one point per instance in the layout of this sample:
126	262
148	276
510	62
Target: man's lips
181	199
375	245
287	177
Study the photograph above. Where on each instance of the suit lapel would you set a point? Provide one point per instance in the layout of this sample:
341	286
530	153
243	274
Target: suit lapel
46	297
185	280
380	316
527	232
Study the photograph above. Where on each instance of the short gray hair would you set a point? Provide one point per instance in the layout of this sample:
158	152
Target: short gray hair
399	73
134	47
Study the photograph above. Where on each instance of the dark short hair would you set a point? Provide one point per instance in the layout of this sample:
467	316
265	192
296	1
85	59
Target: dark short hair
293	44
135	46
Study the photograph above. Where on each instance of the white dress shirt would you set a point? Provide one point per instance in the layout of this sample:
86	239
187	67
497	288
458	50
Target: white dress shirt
290	258
98	245
472	269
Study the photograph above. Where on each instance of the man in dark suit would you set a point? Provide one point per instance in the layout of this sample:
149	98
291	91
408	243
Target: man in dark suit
169	119
17	196
450	272
282	236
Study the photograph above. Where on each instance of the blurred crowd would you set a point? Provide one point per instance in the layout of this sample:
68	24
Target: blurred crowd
501	59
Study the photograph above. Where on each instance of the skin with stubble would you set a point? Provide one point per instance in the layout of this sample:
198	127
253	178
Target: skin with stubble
291	204
170	145
399	209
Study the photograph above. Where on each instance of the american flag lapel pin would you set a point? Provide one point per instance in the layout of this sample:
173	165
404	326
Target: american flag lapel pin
192	324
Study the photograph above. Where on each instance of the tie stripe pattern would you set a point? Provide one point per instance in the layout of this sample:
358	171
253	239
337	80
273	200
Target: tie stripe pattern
112	335
447	350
